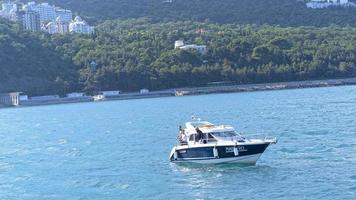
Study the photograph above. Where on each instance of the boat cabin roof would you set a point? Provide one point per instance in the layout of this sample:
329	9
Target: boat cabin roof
199	124
206	127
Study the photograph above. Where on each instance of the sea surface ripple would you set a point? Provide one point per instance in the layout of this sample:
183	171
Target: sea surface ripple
119	149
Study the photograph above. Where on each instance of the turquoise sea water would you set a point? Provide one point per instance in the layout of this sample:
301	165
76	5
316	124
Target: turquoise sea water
120	149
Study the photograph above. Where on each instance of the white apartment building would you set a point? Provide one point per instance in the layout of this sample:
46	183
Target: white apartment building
9	10
80	26
315	4
8	7
339	1
331	1
29	6
200	48
76	95
47	12
51	19
30	20
110	93
51	28
179	44
65	15
59	26
62	27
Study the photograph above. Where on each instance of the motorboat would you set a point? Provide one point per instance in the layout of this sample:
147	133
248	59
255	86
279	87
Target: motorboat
203	142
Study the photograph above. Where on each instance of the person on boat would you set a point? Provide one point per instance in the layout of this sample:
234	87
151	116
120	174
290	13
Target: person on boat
182	137
199	135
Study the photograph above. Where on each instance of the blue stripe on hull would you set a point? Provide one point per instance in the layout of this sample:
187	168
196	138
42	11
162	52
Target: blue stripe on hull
201	152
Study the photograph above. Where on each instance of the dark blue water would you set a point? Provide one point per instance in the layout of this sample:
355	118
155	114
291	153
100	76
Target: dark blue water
119	150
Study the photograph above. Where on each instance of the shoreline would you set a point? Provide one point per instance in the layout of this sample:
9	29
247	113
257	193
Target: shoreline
265	86
189	91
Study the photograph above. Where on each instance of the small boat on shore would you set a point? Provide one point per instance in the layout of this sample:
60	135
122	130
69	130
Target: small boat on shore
203	142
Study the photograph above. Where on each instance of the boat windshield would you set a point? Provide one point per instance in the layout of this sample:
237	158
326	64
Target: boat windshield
228	135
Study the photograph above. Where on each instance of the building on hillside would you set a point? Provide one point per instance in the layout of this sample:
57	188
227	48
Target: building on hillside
110	93
10	99
58	26
9	10
29	6
47	12
65	15
23	97
200	48
30	20
331	1
44	98
75	95
201	31
8	6
317	4
144	91
62	26
12	16
339	1
51	28
179	44
80	26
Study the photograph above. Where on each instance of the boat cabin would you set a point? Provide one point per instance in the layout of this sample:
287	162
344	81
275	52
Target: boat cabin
202	132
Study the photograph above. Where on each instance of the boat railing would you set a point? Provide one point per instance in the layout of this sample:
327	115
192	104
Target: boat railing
241	138
261	136
201	141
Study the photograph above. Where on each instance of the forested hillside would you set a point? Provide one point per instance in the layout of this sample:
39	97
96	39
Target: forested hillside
138	53
273	12
30	63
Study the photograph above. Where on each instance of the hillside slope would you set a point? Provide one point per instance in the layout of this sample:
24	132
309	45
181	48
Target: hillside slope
273	12
139	53
29	63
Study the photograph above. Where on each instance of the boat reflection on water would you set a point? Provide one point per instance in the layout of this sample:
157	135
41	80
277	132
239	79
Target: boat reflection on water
220	167
204	180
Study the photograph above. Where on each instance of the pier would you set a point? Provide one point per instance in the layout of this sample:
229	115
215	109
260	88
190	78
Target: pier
10	99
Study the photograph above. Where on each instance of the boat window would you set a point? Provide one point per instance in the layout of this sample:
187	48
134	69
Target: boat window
191	137
211	137
225	134
228	135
